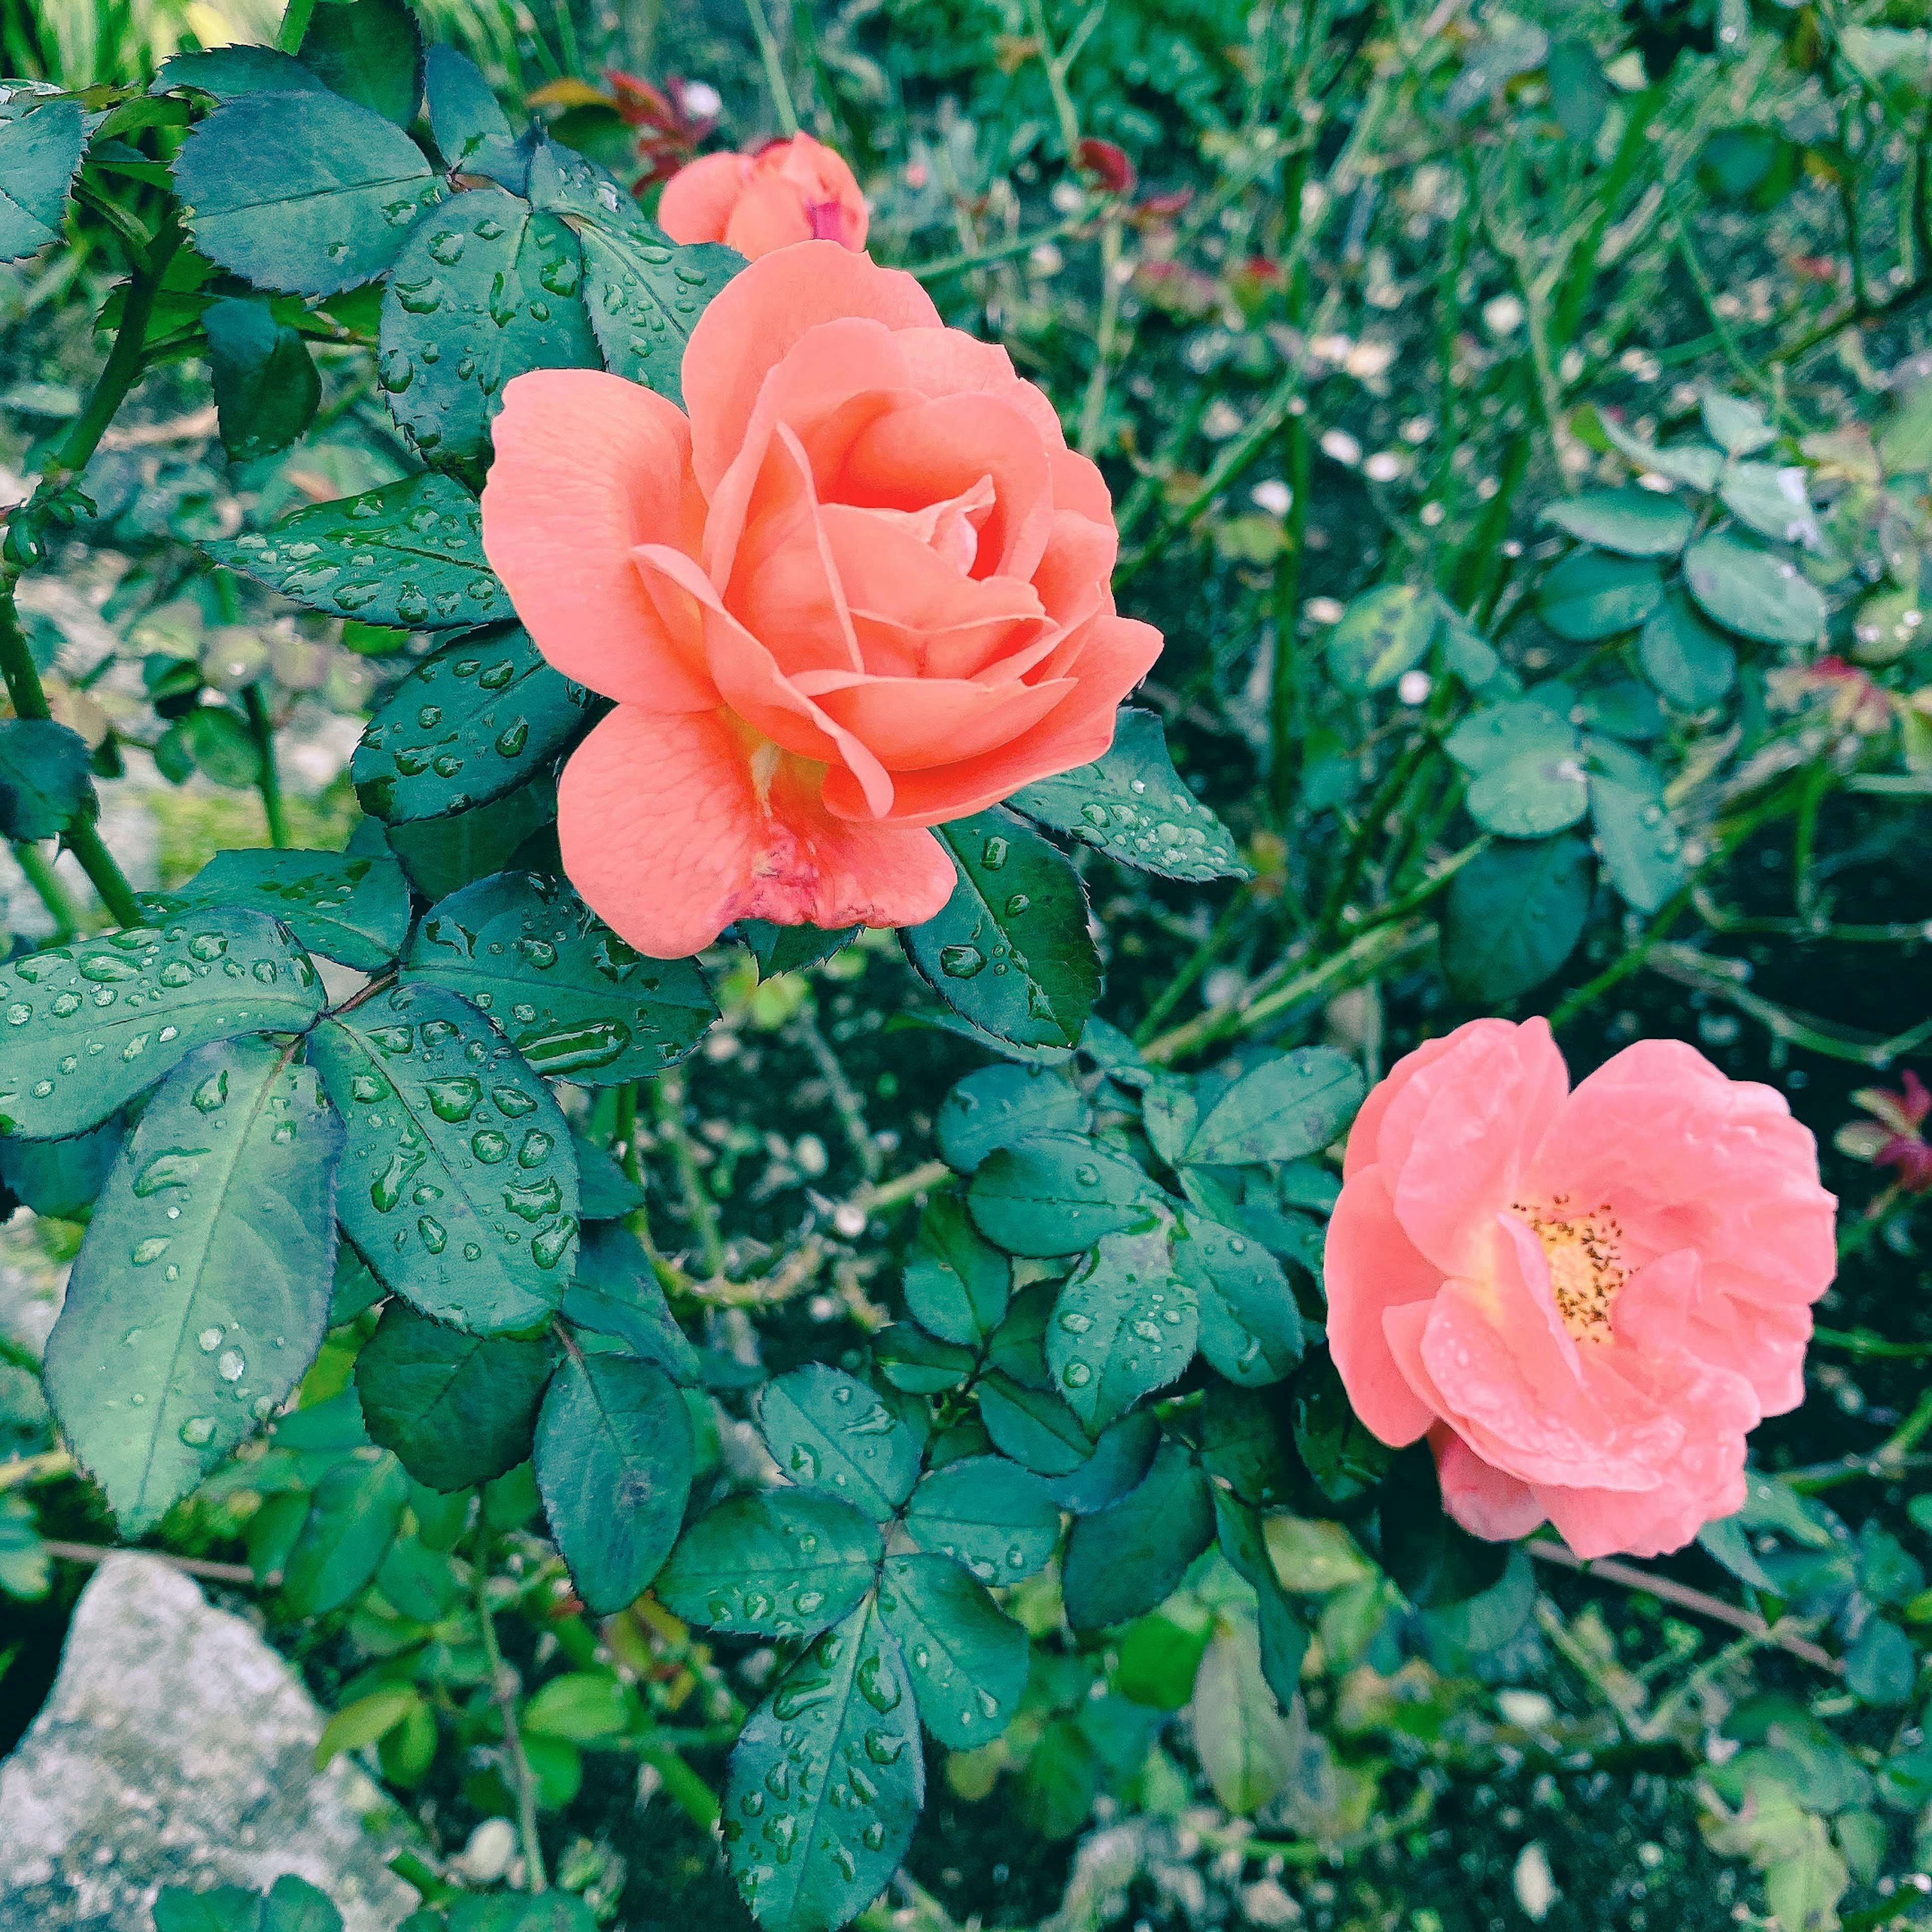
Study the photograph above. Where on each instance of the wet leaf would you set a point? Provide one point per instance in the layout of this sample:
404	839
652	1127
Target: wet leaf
773	1563
355	910
967	1658
200	1293
829	1432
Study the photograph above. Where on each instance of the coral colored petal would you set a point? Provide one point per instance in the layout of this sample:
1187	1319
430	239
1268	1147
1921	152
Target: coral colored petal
754	321
1652	1310
905	459
664	833
1687	1158
1363	1149
1071	577
588	466
786	589
697	200
1458	1137
752	686
1483	1499
1119	653
913	724
1079	486
1369	1267
770	214
949	362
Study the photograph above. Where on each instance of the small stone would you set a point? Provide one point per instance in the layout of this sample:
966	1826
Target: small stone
176	1748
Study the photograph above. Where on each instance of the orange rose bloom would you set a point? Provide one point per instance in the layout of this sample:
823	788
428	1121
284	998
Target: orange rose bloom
795	190
861	589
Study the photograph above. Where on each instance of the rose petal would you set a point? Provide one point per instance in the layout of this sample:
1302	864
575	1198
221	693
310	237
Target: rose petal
697	200
1369	1267
587	467
754	321
1118	652
664	833
913	724
1483	1499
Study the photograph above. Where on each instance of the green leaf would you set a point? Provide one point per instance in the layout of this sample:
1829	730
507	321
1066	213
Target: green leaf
643	291
829	1432
1381	634
1530	795
1804	1887
1690	663
608	1193
1001	1106
1032	1426
1244	1445
1057	1194
791	948
827	1778
577	1002
218	740
774	1563
353	1518
1250	1326
1881	1666
988	1513
1695	464
1293	1105
306	192
613	1460
1246	1750
266	387
442	856
908	1358
1010	949
457	1410
47	779
1123	1560
26	1567
1739	428
615	1293
1131	805
1514	914
1631	522
1772	499
41	143
1125	1324
956	1284
1751	588
62	1178
353	909
1590	595
459	1187
202	1288
1120	1458
223	72
1640	844
967	1658
1283	1639
366	1721
89	1026
583	1706
410	553
473	135
1157	1659
485	289
370	51
226	1908
1490	738
1343	1459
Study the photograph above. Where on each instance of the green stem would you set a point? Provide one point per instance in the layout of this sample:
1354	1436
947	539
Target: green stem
1000	251
1285	684
668	1098
1397	782
1204	956
775	77
46	882
503	1689
270	783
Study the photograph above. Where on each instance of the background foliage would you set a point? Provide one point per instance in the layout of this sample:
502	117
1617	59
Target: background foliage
1518	428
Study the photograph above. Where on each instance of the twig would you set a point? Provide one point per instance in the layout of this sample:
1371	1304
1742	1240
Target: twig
844	1096
774	78
194	1566
1698	1602
667	1099
503	1689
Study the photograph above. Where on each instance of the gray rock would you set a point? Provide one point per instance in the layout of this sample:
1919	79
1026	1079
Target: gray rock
178	1748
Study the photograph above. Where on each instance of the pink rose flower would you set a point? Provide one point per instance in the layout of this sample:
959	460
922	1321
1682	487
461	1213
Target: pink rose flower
787	191
1585	1300
861	590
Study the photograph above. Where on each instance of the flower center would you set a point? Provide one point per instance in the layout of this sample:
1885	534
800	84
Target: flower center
1586	1267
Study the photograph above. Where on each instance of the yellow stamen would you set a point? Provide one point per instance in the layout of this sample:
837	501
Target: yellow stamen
1586	1267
